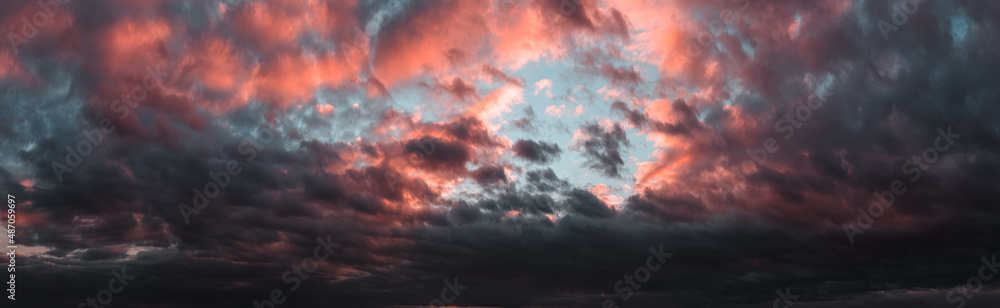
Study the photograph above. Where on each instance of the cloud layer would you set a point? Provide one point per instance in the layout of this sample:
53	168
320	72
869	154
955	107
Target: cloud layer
759	142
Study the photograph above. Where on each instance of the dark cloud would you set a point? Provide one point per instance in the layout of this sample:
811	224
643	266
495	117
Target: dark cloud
585	203
459	89
545	180
537	152
602	148
525	125
687	118
620	75
634	117
487	175
418	196
498	74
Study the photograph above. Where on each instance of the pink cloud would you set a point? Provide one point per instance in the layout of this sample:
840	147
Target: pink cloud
544	85
555	111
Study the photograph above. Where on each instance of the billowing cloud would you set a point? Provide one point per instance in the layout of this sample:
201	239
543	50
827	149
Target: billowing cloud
602	147
842	151
539	152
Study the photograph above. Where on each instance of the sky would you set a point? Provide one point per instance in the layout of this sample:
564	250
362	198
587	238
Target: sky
506	153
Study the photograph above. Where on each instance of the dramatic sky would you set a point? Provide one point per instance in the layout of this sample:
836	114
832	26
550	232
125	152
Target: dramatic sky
536	150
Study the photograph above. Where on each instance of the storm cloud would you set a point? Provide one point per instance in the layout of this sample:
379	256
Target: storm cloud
844	152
